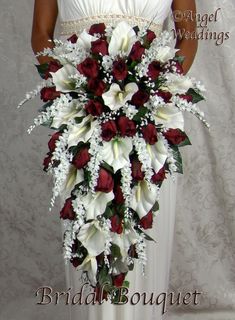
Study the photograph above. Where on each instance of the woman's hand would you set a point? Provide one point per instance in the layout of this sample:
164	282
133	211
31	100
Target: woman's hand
44	20
187	47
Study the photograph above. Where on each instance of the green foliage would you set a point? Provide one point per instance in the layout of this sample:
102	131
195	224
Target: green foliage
178	158
197	97
42	68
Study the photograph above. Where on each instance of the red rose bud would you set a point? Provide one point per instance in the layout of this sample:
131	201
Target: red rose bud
187	97
47	161
96	86
154	70
118	195
150	36
159	176
105	181
95	108
137	51
177	67
100	291
53	66
49	93
139	98
150	133
120	69
75	262
174	136
126	126
147	221
109	130
119	279
116	224
136	173
97	28
165	95
81	158
89	68
67	212
99	47
52	141
73	38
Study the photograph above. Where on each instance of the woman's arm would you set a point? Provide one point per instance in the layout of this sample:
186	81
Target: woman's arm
44	20
188	47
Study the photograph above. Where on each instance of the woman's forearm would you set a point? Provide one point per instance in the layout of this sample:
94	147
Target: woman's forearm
187	49
39	42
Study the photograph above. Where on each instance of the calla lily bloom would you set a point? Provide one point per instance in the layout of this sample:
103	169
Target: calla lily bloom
177	83
124	240
170	117
74	177
89	264
158	154
96	205
122	40
116	152
62	80
115	98
143	198
165	53
85	40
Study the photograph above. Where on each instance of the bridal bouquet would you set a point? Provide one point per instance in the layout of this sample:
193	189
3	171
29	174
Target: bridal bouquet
115	97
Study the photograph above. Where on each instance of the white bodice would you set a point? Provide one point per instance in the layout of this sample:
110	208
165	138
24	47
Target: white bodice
87	12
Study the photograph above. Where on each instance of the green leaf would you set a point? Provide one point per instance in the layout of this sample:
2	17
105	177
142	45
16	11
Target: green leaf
104	277
178	159
45	106
48	123
186	142
179	59
141	113
155	206
42	68
115	250
106	166
147	237
108	213
196	95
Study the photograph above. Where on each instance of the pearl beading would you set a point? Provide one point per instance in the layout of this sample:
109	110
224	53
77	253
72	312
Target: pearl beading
77	26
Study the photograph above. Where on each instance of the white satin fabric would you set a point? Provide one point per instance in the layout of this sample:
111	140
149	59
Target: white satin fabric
156	277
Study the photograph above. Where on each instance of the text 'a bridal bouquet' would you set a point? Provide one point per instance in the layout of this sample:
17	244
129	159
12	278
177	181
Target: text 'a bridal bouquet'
115	96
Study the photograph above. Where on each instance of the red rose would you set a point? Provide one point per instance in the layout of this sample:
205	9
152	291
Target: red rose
150	36
147	221
187	97
174	136
154	70
96	86
95	108
150	133
52	141
139	98
159	176
165	95
99	46
126	126
81	158
177	67
116	224
105	181
136	172
89	68
73	38
75	262
118	194
47	161
49	93
67	212
53	66
137	51
119	279
120	69
109	130
98	291
97	28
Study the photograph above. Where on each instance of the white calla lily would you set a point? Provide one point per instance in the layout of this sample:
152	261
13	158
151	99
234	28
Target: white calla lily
165	53
143	198
89	264
81	131
170	117
66	113
124	240
122	40
96	204
177	83
116	152
158	154
115	97
92	238
62	80
85	40
74	177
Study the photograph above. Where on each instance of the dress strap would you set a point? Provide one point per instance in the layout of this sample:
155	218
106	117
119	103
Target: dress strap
77	26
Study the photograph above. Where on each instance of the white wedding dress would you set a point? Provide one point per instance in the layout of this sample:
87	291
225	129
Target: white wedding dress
76	15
